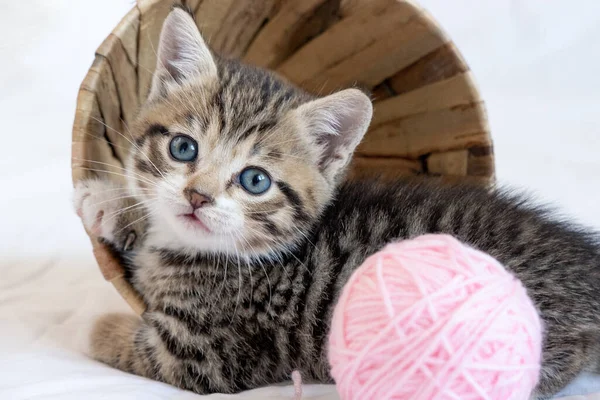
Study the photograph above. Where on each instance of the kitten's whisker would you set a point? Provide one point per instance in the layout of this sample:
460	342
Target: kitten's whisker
237	302
116	131
110	165
148	158
120	211
126	149
113	199
148	181
117	213
305	236
284	246
134	222
123	189
132	143
224	277
238	234
259	260
277	217
126	190
320	91
266	211
251	283
274	254
278	259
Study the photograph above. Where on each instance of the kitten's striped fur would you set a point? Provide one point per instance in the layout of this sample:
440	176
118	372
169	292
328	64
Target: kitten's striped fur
249	302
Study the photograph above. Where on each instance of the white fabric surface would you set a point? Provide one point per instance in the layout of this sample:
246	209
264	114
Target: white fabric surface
536	63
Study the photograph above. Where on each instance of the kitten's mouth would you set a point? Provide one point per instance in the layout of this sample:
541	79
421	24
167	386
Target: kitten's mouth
195	222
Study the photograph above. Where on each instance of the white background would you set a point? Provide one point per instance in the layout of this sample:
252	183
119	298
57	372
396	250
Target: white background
537	64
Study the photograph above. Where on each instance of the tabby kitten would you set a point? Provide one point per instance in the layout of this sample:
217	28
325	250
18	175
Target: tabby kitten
239	234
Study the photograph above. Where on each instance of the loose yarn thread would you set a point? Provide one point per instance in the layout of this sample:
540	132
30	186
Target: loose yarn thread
297	380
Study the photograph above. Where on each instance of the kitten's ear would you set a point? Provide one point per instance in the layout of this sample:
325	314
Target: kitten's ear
337	124
182	53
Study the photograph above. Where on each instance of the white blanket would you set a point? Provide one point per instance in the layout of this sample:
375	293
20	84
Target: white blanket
537	69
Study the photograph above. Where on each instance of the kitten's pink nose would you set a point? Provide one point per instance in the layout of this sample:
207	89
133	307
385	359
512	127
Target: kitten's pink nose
197	199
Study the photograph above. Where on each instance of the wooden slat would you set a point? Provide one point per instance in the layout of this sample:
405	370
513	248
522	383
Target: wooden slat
115	274
152	15
481	161
435	131
127	32
382	167
343	41
381	92
357	7
191	4
210	15
124	74
455	91
448	163
84	130
455	179
241	25
120	49
295	23
440	64
388	54
349	7
89	140
100	81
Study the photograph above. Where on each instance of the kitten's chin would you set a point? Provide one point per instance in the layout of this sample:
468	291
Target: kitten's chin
191	236
194	223
190	233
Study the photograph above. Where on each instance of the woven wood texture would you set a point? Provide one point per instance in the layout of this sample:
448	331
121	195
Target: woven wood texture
429	118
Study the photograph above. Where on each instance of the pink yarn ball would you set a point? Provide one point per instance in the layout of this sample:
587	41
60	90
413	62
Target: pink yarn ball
431	318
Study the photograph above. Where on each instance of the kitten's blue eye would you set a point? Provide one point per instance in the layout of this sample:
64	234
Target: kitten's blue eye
255	180
183	148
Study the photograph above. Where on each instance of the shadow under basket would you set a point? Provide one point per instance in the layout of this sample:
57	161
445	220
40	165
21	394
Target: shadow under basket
428	119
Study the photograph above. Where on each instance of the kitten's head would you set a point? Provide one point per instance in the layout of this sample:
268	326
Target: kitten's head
232	159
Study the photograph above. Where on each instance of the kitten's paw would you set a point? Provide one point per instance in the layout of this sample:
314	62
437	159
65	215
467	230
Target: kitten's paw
112	339
101	204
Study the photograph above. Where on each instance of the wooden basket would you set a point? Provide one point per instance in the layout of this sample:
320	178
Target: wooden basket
429	118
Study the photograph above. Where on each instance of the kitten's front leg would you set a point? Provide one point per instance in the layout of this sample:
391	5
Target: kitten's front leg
112	341
142	347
